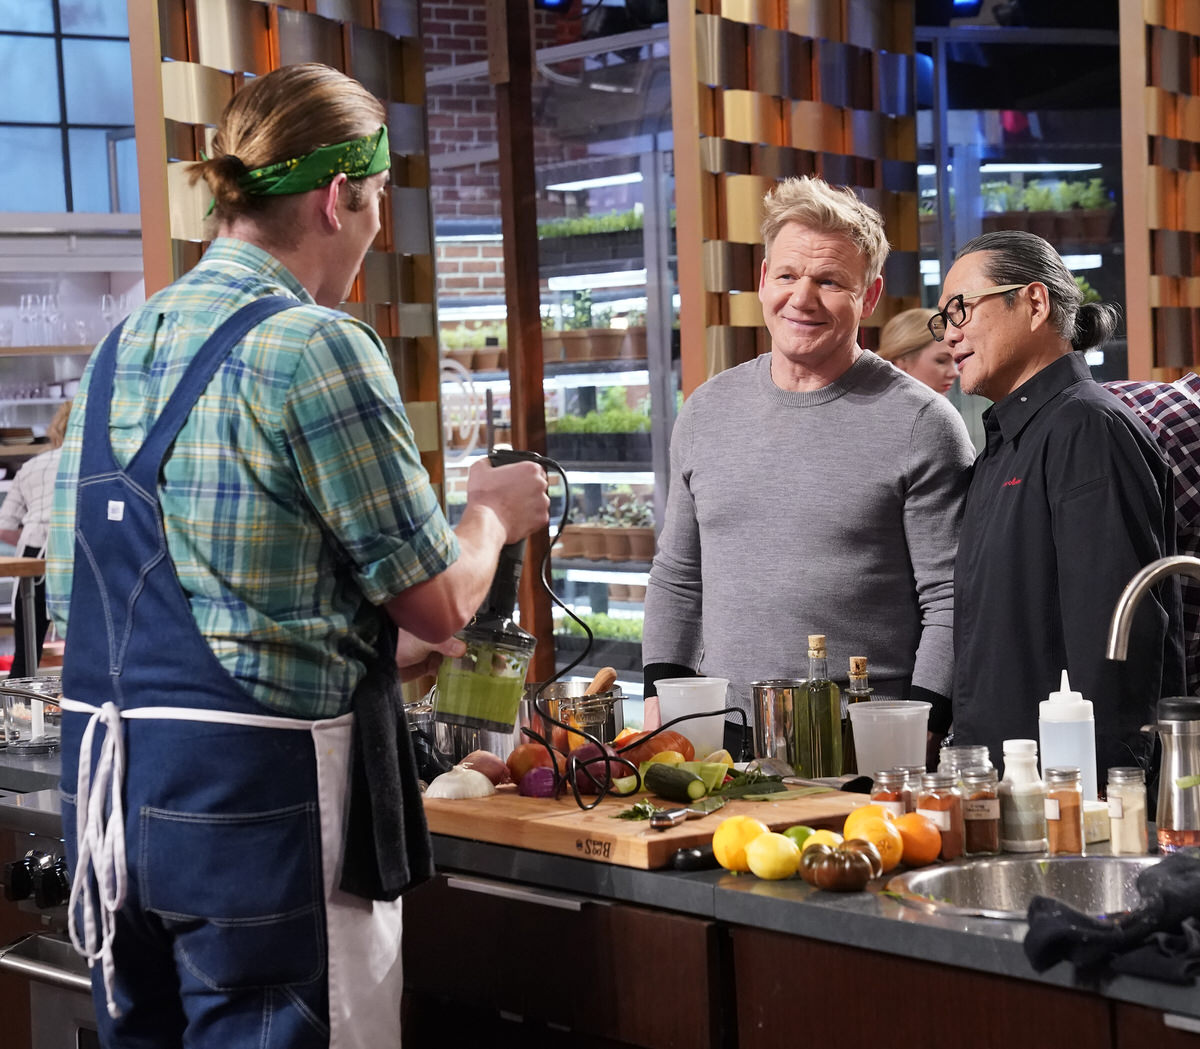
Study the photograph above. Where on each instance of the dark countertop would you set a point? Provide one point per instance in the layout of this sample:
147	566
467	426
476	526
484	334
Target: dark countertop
866	920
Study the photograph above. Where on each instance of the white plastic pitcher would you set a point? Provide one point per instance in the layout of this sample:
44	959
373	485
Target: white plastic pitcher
889	733
687	695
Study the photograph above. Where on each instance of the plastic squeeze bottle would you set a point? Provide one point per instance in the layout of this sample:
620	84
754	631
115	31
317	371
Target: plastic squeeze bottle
1067	734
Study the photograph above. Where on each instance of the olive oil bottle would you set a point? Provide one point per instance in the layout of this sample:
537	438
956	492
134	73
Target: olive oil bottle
821	753
858	691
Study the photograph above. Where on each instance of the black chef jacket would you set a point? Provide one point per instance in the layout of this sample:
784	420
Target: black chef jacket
1070	498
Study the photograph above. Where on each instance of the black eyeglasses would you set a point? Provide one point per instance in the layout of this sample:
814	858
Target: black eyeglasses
955	311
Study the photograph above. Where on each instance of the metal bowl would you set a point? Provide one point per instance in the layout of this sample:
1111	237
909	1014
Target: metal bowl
1003	888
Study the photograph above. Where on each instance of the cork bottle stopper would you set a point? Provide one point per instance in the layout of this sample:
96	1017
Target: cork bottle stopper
816	642
858	666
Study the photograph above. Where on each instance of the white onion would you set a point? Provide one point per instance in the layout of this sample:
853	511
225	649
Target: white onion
460	782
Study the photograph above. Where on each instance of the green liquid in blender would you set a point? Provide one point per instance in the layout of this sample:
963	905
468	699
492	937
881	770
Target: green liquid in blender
482	689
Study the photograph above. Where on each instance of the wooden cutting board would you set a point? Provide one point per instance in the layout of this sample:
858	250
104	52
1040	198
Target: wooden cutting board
560	826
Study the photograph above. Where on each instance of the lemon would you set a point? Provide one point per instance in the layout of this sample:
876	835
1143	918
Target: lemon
773	856
731	838
722	757
667	757
823	837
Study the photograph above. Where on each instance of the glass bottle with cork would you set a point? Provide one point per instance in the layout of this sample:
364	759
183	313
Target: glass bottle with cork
981	811
1064	810
941	801
858	691
1022	799
819	736
1128	832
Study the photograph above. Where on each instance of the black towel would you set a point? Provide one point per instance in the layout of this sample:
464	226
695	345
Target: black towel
1159	940
387	848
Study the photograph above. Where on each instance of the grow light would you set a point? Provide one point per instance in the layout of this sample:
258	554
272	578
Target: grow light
614	279
1027	169
1082	262
597	183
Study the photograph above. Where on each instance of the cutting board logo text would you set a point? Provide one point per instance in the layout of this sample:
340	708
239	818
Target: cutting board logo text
593	847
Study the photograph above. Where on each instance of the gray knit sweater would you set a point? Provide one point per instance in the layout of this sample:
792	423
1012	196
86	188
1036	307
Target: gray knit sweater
832	512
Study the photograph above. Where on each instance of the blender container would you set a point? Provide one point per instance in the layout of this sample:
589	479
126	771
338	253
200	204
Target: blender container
482	688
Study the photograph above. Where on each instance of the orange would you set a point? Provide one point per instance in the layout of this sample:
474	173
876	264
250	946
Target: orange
884	836
731	838
921	837
867	812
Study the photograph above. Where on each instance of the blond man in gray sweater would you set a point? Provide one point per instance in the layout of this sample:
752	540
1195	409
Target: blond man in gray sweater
814	490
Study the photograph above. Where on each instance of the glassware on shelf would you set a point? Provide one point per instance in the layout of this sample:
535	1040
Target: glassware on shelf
27	313
50	317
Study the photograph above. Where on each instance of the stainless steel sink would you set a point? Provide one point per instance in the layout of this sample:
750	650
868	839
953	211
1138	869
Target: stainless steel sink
1002	888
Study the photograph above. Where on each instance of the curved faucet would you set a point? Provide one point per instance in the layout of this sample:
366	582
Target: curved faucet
1156	571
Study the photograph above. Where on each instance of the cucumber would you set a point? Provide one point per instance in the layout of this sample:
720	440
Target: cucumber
674	784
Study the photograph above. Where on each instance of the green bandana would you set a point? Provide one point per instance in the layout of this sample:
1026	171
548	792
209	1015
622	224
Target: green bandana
357	158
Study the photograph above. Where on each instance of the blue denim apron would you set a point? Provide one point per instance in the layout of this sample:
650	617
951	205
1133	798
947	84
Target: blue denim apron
190	811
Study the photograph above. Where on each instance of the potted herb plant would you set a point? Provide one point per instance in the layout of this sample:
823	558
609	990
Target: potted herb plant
1041	199
1098	209
634	345
1002	206
577	322
605	341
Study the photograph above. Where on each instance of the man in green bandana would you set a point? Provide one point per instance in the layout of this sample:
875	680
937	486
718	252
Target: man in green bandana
245	528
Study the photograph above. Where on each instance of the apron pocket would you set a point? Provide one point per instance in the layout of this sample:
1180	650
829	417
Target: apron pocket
239	892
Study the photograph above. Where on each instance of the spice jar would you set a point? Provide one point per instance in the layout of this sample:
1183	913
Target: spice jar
912	785
1064	810
1127	811
981	812
1022	799
941	801
888	790
955	759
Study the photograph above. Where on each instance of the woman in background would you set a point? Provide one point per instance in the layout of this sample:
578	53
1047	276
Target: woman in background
24	524
906	342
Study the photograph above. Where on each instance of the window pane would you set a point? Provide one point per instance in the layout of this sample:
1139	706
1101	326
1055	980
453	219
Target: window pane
28	80
94	17
92	176
31	177
98	81
30	16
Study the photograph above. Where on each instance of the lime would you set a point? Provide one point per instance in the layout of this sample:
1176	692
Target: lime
1183	782
799	833
773	856
626	784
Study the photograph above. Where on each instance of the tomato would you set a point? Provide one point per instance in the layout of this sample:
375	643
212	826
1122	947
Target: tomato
839	868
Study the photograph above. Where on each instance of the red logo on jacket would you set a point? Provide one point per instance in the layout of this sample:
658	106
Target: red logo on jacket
1011	482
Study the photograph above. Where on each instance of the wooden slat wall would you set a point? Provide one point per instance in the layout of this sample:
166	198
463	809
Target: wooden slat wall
1160	113
767	89
189	56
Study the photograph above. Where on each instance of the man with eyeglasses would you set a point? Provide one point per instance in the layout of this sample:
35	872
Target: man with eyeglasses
1069	498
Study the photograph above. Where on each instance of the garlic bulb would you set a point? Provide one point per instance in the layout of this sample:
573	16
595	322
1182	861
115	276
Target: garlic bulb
460	782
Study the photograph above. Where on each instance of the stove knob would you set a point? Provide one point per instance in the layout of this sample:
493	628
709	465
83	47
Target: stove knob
52	885
18	879
19	875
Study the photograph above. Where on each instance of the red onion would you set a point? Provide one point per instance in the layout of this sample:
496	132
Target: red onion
538	782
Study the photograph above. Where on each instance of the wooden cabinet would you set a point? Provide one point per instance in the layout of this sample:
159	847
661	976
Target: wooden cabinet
1136	1027
571	970
790	991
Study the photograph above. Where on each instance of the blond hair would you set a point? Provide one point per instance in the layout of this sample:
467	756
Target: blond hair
905	333
815	204
287	113
57	430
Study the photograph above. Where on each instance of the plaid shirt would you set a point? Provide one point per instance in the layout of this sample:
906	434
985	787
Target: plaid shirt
293	499
1171	411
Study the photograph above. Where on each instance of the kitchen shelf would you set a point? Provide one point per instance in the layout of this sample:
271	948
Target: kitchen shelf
587	564
46	351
